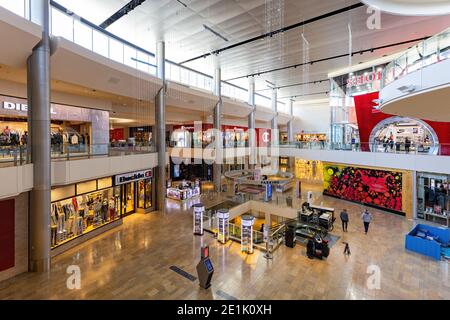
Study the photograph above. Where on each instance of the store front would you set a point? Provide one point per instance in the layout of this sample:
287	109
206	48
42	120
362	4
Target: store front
344	124
433	197
311	137
309	170
407	135
74	130
142	135
136	189
83	210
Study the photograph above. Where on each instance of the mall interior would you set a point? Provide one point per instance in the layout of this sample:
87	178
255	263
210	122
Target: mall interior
155	145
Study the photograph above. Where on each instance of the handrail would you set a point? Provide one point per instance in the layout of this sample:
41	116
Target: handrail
418	57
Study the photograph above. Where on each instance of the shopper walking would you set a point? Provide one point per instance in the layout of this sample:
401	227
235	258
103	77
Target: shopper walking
344	219
367	219
407	145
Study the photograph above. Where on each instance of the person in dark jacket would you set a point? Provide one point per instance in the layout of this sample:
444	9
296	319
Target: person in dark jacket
344	219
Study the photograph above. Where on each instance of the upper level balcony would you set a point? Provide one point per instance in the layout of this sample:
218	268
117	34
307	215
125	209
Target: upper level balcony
417	84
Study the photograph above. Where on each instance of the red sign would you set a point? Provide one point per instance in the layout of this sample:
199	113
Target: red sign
363	79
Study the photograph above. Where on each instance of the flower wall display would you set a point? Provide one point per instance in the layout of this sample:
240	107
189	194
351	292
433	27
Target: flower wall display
378	188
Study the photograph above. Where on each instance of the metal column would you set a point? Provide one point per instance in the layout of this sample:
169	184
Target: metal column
290	128
217	167
38	88
251	124
275	136
160	125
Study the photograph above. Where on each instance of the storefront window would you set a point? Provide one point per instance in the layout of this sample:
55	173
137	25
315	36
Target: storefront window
433	201
307	170
81	213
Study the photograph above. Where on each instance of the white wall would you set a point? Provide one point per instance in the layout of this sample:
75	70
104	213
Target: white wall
313	117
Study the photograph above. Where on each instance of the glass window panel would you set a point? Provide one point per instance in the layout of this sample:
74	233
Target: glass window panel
100	43
184	76
192	79
85	187
16	6
115	50
63	192
444	45
152	60
104	183
130	56
82	35
62	25
142	61
175	73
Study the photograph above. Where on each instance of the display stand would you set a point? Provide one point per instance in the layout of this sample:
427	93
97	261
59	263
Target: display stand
268	193
223	216
247	233
205	269
199	210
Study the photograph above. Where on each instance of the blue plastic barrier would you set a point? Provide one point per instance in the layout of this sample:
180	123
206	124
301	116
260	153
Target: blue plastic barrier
430	248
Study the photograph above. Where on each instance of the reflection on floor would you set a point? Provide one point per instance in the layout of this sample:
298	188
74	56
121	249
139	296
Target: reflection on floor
133	262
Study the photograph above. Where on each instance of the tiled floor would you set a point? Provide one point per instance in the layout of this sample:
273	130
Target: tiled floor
133	261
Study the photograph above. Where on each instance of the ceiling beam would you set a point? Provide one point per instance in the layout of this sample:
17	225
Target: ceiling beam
275	32
295	84
330	58
130	6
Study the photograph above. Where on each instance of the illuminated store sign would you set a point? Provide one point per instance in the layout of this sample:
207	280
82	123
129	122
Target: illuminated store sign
19	107
365	78
133	176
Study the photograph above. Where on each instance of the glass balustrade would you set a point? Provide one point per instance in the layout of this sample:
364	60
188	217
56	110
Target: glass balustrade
423	54
89	36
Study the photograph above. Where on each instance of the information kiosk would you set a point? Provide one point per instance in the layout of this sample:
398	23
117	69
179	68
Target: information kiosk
205	269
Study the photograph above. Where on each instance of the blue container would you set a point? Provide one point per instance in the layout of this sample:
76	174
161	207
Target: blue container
427	247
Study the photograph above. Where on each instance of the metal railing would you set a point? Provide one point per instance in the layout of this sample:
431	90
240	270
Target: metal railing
11	156
442	149
423	54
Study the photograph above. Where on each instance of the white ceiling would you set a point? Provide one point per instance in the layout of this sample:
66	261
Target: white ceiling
237	20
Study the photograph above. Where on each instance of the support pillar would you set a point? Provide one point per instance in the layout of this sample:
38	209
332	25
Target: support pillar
160	124
290	127
38	87
217	166
275	136
251	124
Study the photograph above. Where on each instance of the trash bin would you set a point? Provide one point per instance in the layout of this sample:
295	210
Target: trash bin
289	201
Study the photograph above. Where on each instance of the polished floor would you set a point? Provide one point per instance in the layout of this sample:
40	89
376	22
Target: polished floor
133	261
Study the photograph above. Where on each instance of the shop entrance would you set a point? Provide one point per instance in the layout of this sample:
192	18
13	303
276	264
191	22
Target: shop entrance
136	192
144	194
129	197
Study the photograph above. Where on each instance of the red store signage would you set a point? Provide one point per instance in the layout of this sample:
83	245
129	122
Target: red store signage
363	79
